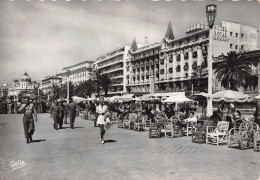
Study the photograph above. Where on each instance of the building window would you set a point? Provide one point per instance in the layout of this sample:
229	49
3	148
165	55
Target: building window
242	35
236	34
231	46
236	47
242	47
231	34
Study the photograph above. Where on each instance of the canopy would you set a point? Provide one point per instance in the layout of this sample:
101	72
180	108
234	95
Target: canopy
200	96
78	99
127	97
257	97
168	94
91	99
177	99
113	98
230	96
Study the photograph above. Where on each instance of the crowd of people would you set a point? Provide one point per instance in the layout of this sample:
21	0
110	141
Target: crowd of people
12	107
100	112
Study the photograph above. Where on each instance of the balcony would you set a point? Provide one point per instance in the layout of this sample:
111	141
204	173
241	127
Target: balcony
111	64
194	65
178	57
186	55
117	77
113	70
170	59
111	56
162	71
195	54
178	69
162	61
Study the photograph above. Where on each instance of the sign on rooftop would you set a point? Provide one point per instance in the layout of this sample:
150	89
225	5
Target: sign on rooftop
220	33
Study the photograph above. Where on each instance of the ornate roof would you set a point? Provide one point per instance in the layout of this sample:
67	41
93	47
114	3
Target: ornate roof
26	77
169	33
133	46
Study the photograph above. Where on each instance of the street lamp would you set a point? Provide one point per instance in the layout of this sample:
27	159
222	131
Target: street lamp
38	88
68	86
211	12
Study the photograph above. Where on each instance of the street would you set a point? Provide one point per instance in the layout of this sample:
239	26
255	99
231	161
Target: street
74	154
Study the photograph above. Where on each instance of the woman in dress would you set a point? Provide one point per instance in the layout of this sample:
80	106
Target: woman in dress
101	111
30	115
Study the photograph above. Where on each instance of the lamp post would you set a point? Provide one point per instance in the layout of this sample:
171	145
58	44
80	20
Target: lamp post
211	12
68	84
38	88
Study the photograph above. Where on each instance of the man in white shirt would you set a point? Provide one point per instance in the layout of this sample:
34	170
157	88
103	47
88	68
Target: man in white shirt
191	119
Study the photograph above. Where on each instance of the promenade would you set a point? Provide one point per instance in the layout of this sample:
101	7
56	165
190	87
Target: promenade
77	154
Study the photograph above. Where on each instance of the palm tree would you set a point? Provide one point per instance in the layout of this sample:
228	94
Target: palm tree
85	88
96	79
63	91
55	92
232	71
90	87
105	82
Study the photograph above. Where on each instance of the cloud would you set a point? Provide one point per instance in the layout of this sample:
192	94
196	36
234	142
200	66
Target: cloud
46	36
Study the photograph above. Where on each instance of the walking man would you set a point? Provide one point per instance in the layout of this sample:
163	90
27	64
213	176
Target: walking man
73	112
55	113
66	112
29	117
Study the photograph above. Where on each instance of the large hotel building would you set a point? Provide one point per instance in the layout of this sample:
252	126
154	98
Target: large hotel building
113	63
176	62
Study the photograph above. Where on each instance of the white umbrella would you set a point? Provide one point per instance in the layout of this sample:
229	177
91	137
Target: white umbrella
230	96
177	99
78	99
257	97
113	98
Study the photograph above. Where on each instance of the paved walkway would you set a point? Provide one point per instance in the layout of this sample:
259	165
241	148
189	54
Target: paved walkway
75	154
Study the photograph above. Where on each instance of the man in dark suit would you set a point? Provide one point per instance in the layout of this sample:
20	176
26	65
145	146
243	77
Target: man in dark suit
55	113
73	112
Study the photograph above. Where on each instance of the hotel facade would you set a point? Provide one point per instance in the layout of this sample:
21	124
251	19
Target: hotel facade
181	64
77	73
113	63
48	82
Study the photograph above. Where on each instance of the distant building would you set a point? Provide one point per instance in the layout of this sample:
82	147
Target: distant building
49	81
4	91
77	73
113	63
25	85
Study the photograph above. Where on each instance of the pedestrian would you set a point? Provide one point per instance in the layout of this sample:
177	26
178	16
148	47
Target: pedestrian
66	112
73	112
62	113
55	113
30	115
101	110
93	113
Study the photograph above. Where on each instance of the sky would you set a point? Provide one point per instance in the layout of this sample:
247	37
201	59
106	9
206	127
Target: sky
43	36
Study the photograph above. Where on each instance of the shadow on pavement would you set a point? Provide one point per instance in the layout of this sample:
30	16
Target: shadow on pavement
110	141
38	140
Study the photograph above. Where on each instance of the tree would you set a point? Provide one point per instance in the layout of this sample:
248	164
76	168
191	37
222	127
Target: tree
63	92
55	92
90	87
96	79
106	82
85	88
232	71
35	91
